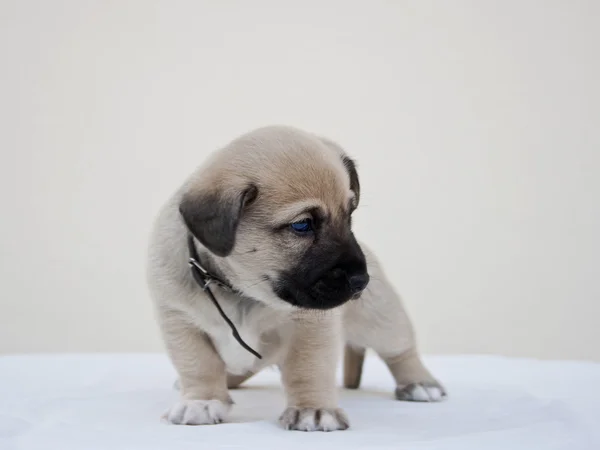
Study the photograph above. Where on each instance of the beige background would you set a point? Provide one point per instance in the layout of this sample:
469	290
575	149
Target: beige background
475	124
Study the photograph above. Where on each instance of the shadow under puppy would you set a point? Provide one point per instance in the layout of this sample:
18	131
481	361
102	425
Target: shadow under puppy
269	215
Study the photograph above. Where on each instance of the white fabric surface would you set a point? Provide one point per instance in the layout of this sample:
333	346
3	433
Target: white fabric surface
89	402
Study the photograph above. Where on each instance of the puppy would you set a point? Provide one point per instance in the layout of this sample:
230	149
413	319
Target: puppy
269	215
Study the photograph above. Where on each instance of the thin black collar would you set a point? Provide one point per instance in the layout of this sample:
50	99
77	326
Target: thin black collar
204	278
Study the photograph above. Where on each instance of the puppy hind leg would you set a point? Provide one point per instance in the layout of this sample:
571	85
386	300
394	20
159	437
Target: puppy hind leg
379	321
414	382
353	364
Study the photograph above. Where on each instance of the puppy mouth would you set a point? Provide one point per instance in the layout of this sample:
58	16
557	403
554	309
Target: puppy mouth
356	295
319	296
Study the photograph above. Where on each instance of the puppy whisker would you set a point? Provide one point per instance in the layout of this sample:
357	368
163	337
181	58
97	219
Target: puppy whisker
254	250
248	286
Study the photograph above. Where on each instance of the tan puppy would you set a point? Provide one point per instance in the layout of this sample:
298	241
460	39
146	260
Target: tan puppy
270	214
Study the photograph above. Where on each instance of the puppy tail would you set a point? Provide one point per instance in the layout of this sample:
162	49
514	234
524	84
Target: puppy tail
353	364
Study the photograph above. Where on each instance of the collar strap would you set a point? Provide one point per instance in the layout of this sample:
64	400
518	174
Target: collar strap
204	278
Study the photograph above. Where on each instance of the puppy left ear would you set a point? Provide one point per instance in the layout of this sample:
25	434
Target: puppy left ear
354	183
213	217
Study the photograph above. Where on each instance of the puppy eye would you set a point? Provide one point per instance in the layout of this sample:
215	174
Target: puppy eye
302	226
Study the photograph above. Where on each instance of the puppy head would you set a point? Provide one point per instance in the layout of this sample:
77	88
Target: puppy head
274	208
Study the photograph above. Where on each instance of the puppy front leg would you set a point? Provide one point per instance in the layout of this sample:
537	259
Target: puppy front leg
204	398
308	375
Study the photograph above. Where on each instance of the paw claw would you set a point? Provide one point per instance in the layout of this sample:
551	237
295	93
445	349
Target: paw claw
421	392
310	419
197	412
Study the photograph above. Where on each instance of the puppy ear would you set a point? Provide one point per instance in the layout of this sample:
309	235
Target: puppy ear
213	217
354	183
348	163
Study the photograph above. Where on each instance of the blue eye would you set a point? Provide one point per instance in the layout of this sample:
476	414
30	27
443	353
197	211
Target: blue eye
303	226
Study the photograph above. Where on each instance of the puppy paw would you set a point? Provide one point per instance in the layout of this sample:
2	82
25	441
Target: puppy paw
197	412
428	391
309	419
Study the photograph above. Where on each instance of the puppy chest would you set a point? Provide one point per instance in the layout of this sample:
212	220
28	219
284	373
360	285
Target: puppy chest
237	359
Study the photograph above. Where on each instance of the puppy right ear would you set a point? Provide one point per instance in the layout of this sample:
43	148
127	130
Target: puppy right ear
213	217
350	166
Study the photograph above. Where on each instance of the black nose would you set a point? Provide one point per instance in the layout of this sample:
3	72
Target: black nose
358	282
